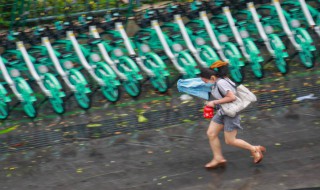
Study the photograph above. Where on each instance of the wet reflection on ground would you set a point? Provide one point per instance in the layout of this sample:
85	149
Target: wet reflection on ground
173	157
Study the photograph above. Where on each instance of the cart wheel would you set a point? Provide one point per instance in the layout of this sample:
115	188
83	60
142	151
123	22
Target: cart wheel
257	70
160	83
111	93
282	65
133	88
30	109
57	104
83	100
4	110
308	59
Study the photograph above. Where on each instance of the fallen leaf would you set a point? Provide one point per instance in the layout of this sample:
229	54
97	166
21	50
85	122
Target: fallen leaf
94	125
142	119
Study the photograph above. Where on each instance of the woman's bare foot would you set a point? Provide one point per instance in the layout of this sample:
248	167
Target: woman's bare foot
216	164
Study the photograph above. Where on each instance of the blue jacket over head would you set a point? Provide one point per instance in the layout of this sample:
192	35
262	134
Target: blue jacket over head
195	87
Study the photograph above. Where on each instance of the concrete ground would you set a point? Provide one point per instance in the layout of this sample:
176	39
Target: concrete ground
173	157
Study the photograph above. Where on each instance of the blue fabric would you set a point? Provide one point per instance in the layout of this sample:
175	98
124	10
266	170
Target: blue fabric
195	87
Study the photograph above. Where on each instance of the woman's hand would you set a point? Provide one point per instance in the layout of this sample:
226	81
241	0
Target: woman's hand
230	97
212	103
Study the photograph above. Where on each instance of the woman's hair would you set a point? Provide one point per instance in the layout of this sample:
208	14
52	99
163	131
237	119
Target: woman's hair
219	69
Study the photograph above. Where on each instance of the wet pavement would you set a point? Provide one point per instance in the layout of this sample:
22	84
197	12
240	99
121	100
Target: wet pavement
173	157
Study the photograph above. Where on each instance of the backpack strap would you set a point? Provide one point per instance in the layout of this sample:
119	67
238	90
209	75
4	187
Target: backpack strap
234	86
220	91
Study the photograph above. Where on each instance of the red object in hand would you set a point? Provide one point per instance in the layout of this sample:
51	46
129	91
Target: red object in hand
208	112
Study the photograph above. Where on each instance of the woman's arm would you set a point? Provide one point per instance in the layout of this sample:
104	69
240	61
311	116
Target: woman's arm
230	97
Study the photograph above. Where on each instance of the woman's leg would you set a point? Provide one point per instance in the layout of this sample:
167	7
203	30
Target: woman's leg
213	132
231	139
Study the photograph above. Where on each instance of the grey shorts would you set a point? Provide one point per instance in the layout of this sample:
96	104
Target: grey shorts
230	123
